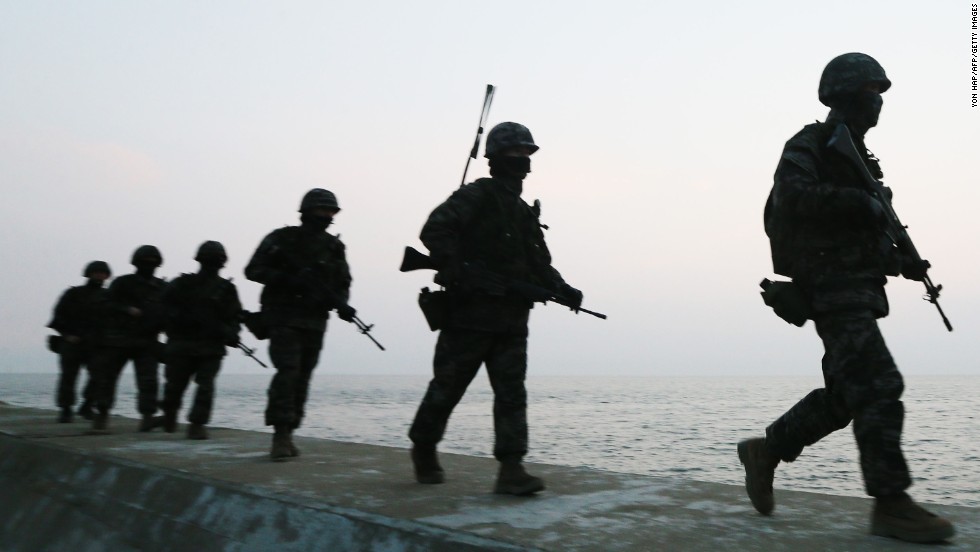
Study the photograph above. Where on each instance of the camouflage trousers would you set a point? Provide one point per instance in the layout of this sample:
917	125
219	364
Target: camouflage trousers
294	353
459	354
73	356
862	384
179	371
108	364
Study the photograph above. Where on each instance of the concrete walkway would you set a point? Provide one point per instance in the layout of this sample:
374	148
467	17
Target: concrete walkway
64	489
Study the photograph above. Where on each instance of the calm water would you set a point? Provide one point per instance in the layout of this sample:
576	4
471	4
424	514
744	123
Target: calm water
672	427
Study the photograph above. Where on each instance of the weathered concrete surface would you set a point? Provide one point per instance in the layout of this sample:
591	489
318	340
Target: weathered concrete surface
63	489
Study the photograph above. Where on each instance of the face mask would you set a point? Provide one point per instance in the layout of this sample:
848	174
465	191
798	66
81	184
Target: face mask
318	223
515	167
211	266
863	111
146	268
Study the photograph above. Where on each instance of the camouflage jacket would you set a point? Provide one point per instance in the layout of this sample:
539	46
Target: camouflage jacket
300	271
121	329
202	315
821	225
77	311
487	224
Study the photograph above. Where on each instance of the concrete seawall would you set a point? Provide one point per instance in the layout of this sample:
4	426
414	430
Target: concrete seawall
63	489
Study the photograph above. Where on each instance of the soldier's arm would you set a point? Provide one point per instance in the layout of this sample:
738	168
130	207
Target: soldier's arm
118	297
340	277
441	232
62	315
800	192
262	267
231	309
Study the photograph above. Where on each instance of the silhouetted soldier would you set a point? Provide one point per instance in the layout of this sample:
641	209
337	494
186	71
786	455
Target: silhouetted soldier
305	274
76	319
827	233
486	225
132	322
202	318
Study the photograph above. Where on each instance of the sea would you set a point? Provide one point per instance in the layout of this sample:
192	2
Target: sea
676	427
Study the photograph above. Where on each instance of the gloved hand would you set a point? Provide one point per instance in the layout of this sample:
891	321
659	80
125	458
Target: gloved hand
346	313
915	270
573	296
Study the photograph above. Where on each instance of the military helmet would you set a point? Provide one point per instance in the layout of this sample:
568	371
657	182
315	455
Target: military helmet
318	197
211	251
147	253
96	266
506	136
847	74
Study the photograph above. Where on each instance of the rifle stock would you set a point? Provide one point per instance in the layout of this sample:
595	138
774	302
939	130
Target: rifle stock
415	260
842	143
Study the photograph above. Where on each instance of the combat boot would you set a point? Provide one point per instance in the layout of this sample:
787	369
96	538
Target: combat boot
901	518
293	451
168	421
101	421
512	479
85	411
149	423
280	444
65	416
760	469
196	431
426	463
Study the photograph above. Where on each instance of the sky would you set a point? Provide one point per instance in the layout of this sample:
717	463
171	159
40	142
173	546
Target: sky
660	125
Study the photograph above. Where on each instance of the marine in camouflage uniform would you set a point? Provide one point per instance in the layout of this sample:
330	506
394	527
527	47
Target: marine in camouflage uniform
132	320
202	313
76	319
827	233
305	274
486	224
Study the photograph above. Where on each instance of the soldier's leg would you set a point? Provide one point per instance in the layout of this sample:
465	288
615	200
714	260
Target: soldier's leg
70	362
507	367
815	416
312	343
88	392
285	351
869	384
178	372
147	368
207	371
107	365
458	356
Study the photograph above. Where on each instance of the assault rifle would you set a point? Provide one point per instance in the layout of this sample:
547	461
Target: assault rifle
493	283
250	352
487	100
842	143
325	295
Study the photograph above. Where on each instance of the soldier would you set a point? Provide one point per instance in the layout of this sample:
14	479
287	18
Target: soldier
132	322
826	233
76	318
202	312
305	274
486	224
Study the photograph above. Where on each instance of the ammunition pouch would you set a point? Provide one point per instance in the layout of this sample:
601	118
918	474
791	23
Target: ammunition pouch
56	343
787	300
257	324
435	307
